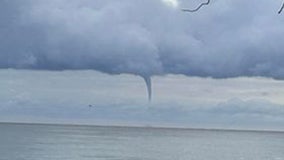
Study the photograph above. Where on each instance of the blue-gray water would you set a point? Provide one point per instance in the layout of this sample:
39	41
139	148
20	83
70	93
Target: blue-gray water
59	142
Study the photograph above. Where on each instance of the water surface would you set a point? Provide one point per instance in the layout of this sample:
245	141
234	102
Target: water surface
66	142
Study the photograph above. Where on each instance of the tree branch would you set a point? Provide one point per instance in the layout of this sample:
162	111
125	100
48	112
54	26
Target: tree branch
194	10
208	1
281	9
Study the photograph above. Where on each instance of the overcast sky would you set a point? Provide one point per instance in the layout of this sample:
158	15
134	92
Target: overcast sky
219	67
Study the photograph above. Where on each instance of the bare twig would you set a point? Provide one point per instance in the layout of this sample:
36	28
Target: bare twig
281	9
208	1
194	10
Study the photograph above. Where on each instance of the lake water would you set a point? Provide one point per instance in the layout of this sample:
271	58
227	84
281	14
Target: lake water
63	142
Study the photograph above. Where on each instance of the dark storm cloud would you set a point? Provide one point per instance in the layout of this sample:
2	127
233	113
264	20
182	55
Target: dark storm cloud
228	38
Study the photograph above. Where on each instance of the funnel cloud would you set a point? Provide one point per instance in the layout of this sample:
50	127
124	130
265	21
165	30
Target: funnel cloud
149	87
143	37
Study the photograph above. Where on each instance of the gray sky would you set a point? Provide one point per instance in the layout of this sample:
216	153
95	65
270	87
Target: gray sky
104	45
178	101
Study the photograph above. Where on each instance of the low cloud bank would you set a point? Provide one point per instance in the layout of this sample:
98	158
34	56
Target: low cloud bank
143	37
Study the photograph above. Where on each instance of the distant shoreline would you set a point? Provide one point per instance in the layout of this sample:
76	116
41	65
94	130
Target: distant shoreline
142	126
